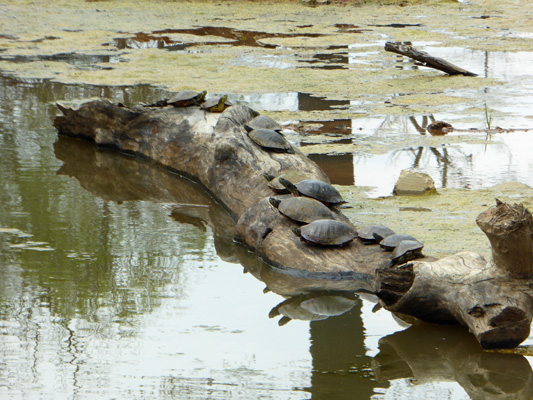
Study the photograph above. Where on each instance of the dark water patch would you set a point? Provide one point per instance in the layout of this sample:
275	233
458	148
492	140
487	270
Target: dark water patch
350	28
236	37
338	167
8	37
396	25
308	102
333	127
338	60
40	40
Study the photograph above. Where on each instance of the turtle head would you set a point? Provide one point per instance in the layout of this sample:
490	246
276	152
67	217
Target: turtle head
297	231
377	237
201	97
291	187
269	177
275	202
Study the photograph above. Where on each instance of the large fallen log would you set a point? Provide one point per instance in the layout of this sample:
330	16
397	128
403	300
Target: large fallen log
214	150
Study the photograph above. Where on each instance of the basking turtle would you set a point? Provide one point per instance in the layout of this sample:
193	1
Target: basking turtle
302	209
326	232
187	98
270	140
262	122
367	233
216	104
315	189
390	242
291	175
406	250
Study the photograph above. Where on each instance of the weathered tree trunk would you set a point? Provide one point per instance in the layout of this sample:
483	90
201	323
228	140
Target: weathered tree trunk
213	149
510	231
426	60
493	300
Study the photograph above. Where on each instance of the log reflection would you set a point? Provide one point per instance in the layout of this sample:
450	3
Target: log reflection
426	353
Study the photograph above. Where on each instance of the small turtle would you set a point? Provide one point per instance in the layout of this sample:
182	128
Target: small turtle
302	209
366	234
262	122
291	175
315	189
326	232
187	98
216	104
270	140
390	242
439	128
406	250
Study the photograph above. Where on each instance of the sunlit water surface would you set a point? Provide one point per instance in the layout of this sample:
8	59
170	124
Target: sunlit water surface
120	281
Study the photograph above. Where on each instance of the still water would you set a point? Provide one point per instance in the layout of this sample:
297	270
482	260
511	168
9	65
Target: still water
120	280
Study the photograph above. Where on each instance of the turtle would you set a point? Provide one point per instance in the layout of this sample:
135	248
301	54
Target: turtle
326	232
439	128
187	98
315	189
302	209
262	122
406	250
390	242
366	234
216	104
270	140
290	175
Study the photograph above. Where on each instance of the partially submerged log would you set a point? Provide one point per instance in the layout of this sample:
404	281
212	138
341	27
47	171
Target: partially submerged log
426	60
493	300
214	150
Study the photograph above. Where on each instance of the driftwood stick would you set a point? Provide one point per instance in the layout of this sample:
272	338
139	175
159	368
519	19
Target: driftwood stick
426	60
510	232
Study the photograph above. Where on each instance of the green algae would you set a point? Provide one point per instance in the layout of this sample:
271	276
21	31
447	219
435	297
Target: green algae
449	227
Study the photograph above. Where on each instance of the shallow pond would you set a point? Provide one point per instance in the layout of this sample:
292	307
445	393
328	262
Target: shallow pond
120	280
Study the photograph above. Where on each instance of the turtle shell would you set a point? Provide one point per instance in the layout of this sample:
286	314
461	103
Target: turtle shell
216	104
390	242
187	98
270	140
405	251
315	189
276	186
302	209
327	232
366	234
262	122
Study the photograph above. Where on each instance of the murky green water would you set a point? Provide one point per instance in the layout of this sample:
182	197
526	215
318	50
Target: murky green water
119	280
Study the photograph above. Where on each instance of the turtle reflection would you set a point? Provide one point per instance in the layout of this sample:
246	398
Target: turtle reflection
313	307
